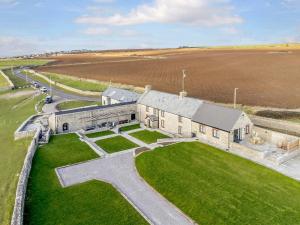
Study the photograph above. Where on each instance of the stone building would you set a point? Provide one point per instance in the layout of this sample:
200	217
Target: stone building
190	117
92	117
117	95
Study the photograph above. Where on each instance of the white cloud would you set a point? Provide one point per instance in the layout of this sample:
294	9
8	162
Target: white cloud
97	31
8	3
193	12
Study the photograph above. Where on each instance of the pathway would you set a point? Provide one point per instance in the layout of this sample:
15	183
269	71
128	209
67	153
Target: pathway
120	171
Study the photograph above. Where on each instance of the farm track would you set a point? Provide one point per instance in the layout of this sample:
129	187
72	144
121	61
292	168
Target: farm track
263	79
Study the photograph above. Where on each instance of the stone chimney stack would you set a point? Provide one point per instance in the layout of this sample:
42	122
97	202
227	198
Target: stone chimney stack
182	94
148	88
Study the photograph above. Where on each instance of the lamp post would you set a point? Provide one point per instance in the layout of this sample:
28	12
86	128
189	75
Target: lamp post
234	97
183	77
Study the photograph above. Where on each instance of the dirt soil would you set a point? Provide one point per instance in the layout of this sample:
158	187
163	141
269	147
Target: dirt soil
264	77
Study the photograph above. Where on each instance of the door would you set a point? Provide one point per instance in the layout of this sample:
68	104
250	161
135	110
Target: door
236	136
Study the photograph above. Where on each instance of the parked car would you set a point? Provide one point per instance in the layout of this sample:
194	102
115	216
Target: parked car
44	89
35	84
48	99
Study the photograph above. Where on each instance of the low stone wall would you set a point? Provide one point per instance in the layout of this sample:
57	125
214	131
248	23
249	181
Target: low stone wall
19	133
10	84
281	125
94	93
287	156
241	149
18	212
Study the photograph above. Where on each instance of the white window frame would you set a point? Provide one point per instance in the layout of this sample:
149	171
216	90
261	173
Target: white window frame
202	129
247	129
162	123
155	111
179	129
215	133
162	112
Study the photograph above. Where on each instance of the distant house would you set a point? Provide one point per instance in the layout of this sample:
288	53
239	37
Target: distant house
117	95
190	117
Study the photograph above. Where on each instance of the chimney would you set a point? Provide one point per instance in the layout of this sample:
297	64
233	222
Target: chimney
182	94
147	88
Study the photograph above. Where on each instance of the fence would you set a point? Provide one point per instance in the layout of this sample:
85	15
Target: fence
18	212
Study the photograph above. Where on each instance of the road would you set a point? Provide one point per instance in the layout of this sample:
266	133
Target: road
56	91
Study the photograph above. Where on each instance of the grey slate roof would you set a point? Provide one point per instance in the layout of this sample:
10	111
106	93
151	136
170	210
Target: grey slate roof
217	116
121	95
171	103
91	108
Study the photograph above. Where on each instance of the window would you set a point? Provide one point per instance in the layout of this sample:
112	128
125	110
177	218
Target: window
179	129
179	119
215	133
65	127
202	129
247	129
147	108
162	123
154	111
162	113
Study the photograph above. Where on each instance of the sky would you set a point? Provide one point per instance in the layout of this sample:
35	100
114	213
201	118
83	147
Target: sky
38	26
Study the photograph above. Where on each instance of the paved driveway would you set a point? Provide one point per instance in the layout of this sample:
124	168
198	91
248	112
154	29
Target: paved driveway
120	171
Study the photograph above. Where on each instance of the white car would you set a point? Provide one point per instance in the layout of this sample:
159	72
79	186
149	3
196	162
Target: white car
44	89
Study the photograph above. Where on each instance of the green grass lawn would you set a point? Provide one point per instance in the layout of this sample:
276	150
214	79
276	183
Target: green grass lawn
8	63
75	104
148	136
92	202
3	81
130	127
216	187
115	144
75	82
12	153
99	134
18	82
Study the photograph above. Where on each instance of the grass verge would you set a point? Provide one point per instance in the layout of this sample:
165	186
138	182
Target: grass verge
75	104
13	111
148	136
130	127
215	187
115	144
92	202
99	134
8	63
18	82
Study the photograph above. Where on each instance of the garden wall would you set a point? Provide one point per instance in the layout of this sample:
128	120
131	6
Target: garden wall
18	212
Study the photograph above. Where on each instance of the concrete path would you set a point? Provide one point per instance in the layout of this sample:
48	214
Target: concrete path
120	172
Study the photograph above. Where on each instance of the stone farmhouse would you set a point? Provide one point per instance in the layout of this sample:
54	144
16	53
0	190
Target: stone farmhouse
178	115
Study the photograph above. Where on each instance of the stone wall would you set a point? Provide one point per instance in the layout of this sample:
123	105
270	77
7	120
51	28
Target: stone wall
244	150
290	127
18	212
21	133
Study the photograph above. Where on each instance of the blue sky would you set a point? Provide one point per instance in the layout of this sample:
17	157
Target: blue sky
33	26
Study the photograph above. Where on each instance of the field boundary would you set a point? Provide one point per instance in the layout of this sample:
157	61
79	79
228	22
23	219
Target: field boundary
10	83
18	211
78	91
284	126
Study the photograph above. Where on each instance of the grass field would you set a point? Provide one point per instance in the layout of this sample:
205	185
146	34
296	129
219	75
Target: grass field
115	144
3	81
78	83
12	152
130	127
92	203
75	104
21	62
148	136
18	82
99	134
215	187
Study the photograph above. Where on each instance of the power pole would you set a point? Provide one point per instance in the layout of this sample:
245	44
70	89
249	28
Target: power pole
50	85
183	77
234	97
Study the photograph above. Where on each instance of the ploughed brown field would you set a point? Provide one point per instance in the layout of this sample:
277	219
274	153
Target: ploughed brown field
264	77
